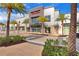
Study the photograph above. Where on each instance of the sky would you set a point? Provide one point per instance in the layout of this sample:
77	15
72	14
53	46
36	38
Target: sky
64	8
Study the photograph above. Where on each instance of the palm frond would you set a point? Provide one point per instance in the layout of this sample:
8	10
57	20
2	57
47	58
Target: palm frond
42	19
13	22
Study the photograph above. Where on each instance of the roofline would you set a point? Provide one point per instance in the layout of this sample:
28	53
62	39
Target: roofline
41	7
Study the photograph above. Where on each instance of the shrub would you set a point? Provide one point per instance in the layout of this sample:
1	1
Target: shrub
11	39
2	40
51	48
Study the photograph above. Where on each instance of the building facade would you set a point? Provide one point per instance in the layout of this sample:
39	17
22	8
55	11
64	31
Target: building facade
50	13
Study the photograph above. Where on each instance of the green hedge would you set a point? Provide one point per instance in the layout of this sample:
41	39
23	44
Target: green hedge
55	49
11	39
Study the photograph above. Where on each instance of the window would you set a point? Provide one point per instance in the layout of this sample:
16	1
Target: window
34	20
35	12
48	17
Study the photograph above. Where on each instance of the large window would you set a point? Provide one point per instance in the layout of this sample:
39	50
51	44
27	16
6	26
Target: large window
48	17
35	20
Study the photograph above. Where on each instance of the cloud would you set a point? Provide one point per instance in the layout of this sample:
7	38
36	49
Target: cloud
3	16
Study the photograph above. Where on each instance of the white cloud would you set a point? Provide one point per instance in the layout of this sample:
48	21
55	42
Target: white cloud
3	16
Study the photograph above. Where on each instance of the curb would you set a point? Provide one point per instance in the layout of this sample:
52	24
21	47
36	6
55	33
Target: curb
36	43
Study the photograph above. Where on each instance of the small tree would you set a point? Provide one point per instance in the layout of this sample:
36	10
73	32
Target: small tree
62	18
13	22
26	21
42	20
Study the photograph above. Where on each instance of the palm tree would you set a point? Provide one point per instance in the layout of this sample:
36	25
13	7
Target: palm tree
13	22
61	18
17	7
42	20
72	33
26	21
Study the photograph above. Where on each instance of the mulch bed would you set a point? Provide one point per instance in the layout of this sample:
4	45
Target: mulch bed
11	43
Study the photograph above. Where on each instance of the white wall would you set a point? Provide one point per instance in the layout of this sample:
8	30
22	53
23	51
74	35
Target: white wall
56	15
69	16
22	19
49	11
77	17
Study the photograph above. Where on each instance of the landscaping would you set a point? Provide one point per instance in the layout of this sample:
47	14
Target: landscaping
6	41
55	48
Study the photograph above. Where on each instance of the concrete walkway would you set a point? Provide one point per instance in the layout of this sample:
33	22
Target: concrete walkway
40	40
33	47
23	49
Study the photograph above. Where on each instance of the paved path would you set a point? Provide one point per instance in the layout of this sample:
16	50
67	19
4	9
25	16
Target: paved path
28	48
40	40
23	49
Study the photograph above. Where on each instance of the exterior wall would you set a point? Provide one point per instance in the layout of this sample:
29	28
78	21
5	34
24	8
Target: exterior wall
50	12
46	12
38	11
67	21
33	14
54	15
58	23
20	21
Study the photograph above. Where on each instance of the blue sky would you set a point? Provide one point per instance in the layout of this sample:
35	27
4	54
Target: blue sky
64	8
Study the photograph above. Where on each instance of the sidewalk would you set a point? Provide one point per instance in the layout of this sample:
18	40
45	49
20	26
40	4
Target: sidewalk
23	49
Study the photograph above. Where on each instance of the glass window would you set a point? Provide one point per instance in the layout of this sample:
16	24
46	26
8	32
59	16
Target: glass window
48	17
34	20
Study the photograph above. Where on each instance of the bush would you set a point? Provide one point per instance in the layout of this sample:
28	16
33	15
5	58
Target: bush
52	48
11	40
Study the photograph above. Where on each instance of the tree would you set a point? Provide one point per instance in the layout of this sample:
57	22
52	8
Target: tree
1	25
61	18
42	20
13	22
72	33
17	7
26	21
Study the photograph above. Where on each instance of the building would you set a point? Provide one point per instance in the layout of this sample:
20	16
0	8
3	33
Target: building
20	21
50	13
67	23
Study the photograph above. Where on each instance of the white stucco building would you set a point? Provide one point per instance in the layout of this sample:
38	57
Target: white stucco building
20	22
50	13
52	16
67	23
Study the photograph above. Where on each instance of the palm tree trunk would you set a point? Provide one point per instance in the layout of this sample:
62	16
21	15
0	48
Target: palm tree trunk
62	26
17	29
26	28
42	28
72	33
8	20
